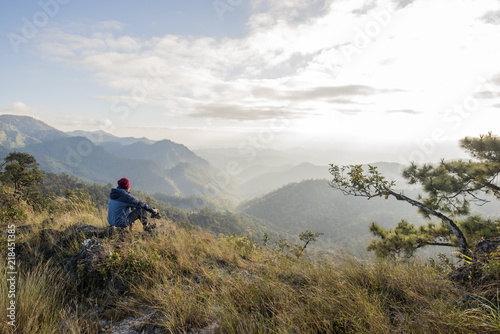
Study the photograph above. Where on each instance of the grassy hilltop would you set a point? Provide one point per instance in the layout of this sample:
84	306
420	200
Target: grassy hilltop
77	276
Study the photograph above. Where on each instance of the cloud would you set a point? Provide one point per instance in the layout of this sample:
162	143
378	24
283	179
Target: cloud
395	111
487	94
292	58
241	113
109	25
365	8
350	111
76	48
491	17
336	91
66	122
490	92
328	94
342	101
404	111
403	3
267	13
18	108
496	79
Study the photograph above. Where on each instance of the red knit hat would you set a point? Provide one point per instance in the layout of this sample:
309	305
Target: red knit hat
124	183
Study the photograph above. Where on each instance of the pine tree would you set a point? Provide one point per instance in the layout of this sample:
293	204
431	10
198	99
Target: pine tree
22	170
450	187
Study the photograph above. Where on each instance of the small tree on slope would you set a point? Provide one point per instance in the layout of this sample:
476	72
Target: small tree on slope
22	170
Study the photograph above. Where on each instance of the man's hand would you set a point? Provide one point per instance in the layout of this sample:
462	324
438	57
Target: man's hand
155	214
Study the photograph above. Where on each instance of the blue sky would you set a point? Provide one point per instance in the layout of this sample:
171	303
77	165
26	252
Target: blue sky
405	78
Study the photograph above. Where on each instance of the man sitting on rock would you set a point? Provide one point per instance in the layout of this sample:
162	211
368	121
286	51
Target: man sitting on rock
124	209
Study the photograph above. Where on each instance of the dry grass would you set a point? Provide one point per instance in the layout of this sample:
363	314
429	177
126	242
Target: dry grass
183	280
201	281
42	303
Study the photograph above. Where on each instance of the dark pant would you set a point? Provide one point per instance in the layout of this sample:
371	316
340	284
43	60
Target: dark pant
138	214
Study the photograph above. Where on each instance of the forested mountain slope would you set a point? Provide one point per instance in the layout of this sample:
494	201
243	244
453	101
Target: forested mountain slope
314	205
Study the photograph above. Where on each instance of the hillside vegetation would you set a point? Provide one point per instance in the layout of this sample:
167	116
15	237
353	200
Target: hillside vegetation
183	279
76	275
312	204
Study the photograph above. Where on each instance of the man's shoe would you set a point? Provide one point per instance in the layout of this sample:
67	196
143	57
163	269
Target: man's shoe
149	227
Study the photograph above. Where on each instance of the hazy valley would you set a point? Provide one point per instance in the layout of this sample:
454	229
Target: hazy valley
229	253
282	189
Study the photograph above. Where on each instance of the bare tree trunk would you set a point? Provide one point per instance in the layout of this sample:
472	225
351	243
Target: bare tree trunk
451	224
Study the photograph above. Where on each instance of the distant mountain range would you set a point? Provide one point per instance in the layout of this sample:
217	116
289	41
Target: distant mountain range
100	137
265	170
163	166
289	194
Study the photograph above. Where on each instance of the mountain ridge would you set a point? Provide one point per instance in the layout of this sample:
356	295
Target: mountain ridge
149	166
100	136
19	131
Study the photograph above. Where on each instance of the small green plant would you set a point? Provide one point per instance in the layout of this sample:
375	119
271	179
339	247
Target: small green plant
80	268
110	265
307	237
11	210
282	245
133	262
492	265
444	265
488	312
136	263
243	245
265	239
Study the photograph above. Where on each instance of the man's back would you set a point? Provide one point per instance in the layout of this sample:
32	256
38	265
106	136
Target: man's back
119	207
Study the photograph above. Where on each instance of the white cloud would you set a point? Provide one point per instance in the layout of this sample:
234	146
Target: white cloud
18	108
492	17
267	13
67	122
407	60
109	25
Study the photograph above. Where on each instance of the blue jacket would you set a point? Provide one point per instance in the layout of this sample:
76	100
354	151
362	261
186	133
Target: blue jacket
120	205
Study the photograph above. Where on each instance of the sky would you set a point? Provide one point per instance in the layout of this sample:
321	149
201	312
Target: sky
395	80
